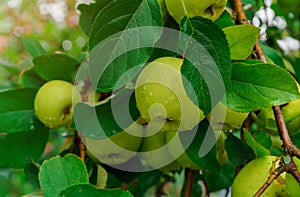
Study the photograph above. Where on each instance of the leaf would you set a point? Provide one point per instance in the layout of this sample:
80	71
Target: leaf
224	20
88	14
56	66
33	47
257	148
31	171
84	190
107	118
241	40
257	86
29	78
132	27
237	150
5	185
200	144
205	49
273	55
101	177
17	148
16	110
58	173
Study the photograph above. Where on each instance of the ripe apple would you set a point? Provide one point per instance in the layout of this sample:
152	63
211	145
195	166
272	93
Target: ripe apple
255	174
160	96
118	148
292	186
290	112
233	119
205	8
154	152
175	147
53	103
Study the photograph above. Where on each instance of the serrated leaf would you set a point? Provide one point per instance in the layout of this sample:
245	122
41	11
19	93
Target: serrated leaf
16	110
84	190
88	14
33	47
56	66
241	40
58	173
256	147
237	150
132	28
29	78
207	60
17	148
257	86
107	119
224	20
202	149
273	55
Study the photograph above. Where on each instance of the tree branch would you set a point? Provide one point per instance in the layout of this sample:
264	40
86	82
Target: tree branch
189	182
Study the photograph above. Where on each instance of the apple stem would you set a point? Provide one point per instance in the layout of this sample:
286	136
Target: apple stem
189	180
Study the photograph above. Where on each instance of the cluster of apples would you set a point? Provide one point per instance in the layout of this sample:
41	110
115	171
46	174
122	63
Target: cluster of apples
166	110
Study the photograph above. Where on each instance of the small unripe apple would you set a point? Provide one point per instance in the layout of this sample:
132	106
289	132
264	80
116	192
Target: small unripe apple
291	115
53	103
233	119
255	174
207	9
154	152
160	96
117	148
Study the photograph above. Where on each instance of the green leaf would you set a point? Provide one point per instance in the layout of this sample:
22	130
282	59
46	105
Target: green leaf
88	14
110	117
56	66
257	86
225	20
237	150
258	149
241	39
16	110
273	55
17	148
30	78
202	149
5	186
31	171
58	173
33	47
132	28
205	49
101	177
84	190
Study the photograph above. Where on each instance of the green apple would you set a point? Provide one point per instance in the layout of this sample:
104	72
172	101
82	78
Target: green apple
53	103
232	120
255	174
154	152
177	150
160	96
117	148
292	186
211	9
290	112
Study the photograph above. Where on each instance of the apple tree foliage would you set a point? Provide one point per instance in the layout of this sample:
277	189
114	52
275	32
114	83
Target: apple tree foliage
249	85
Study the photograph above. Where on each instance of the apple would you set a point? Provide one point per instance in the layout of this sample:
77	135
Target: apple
177	150
117	148
233	119
292	186
154	152
290	112
211	9
255	174
53	103
160	96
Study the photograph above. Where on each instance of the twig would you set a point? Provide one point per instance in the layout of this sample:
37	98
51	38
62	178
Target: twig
288	145
241	16
189	182
246	125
